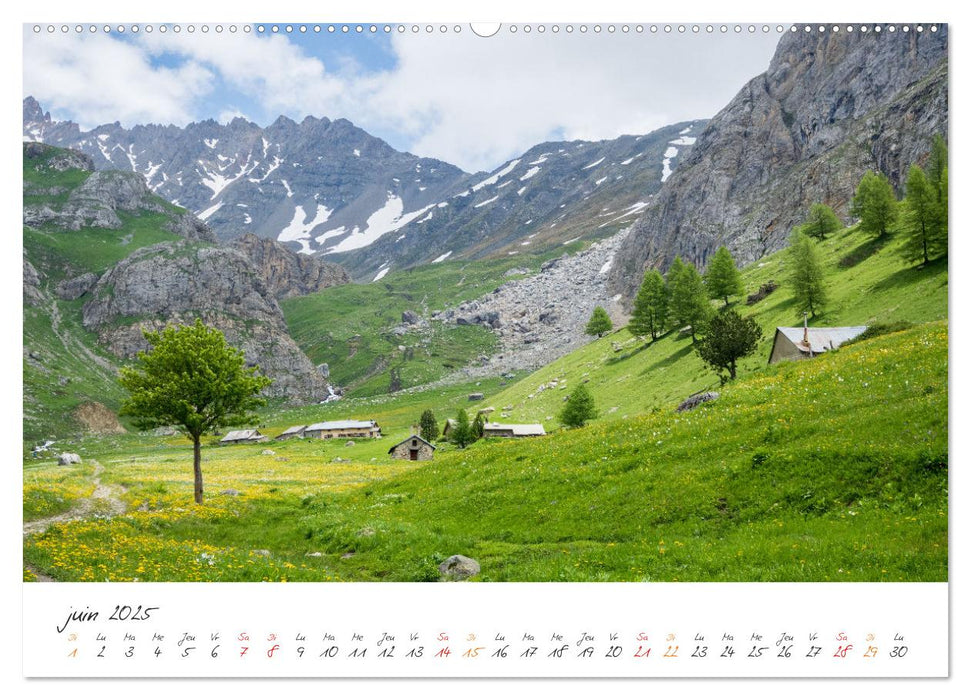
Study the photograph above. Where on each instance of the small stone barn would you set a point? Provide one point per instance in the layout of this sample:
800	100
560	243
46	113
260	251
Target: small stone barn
235	437
450	425
343	429
295	431
804	343
512	430
414	448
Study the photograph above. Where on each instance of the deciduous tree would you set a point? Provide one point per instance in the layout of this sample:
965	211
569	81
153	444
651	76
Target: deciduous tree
191	378
728	339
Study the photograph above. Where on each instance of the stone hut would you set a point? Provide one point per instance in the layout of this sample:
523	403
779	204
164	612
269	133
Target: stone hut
343	429
295	431
415	448
512	430
235	437
804	343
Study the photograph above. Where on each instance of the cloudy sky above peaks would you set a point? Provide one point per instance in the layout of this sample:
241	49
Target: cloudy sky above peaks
471	101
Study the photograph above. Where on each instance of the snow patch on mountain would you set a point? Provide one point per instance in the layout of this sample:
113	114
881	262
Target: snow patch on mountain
494	178
299	228
389	217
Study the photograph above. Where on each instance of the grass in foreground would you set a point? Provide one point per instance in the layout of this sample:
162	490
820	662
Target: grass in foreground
829	470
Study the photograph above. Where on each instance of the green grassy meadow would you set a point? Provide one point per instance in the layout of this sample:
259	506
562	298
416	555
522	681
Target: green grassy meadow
781	479
834	469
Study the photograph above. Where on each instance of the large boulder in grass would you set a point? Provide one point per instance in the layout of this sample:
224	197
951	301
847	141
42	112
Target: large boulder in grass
693	402
66	458
458	568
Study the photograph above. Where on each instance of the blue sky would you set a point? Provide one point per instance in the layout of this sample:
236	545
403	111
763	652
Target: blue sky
468	100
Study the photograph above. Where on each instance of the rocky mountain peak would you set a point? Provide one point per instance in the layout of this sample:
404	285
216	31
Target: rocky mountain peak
830	106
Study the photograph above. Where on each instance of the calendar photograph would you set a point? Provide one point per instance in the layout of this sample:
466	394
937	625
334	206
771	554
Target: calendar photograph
475	304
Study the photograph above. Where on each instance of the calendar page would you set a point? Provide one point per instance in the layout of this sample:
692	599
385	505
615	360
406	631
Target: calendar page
525	349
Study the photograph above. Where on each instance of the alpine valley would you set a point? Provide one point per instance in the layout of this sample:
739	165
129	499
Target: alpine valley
375	284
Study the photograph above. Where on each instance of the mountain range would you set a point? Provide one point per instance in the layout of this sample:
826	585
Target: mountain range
324	187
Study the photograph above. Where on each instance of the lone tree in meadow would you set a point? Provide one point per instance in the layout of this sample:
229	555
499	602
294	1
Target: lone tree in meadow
729	338
722	278
462	432
599	323
650	312
191	378
874	204
688	305
805	274
925	219
579	408
428	426
822	220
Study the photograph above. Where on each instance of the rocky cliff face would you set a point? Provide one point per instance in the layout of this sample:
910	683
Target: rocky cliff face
285	273
178	282
830	106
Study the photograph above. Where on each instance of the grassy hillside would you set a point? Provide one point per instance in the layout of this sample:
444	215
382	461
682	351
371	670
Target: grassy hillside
830	470
867	283
63	365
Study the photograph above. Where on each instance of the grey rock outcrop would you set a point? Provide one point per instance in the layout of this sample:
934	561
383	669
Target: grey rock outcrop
177	282
830	106
289	274
94	203
693	402
458	568
32	292
77	287
66	458
190	227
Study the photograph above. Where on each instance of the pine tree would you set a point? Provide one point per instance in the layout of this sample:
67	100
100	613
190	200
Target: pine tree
722	278
937	166
579	408
599	323
805	274
674	271
822	220
729	338
462	432
874	204
924	218
689	304
478	427
429	426
650	306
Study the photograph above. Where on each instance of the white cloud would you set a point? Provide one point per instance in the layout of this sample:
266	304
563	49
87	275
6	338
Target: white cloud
470	101
98	79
